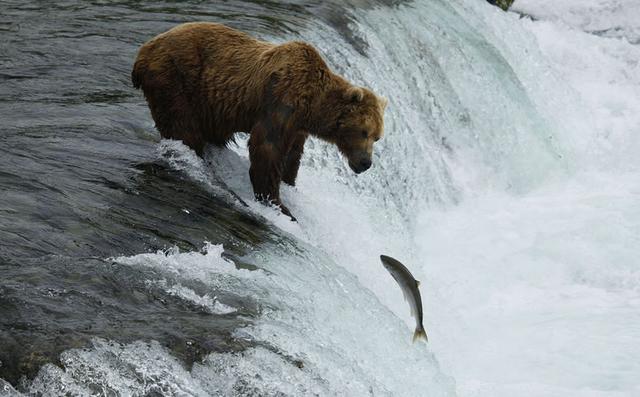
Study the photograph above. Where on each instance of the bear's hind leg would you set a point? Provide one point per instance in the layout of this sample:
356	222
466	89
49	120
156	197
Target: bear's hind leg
175	119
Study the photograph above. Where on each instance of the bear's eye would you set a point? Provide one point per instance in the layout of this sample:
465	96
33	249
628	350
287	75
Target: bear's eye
365	134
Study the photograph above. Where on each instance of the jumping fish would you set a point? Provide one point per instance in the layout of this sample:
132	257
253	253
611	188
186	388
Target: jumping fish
409	287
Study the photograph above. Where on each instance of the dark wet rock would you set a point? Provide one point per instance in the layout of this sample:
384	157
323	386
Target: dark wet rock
504	4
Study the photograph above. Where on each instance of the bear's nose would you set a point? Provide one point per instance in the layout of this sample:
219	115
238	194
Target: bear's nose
365	164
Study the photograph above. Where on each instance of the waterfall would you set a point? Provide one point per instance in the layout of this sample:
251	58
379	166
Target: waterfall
507	187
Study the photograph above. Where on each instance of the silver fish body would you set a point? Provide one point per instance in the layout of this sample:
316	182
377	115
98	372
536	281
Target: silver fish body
409	286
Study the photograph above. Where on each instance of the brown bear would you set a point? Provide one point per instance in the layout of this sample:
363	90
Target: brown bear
205	81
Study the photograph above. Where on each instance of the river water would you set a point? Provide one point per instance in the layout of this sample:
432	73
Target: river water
507	181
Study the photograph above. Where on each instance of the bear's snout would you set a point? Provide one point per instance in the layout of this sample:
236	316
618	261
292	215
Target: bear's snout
361	165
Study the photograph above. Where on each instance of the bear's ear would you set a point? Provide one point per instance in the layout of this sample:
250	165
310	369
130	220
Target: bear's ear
354	94
383	103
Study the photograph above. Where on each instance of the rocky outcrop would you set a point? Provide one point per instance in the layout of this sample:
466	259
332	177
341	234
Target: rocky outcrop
504	4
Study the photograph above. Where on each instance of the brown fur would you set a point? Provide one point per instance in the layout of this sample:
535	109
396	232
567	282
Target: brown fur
205	81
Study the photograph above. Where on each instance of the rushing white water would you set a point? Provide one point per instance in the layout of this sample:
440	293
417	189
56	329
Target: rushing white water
507	181
526	233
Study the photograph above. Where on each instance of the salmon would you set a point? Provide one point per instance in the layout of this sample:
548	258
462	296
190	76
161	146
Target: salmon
409	286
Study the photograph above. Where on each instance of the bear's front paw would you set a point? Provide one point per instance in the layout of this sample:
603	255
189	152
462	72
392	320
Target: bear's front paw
291	181
286	212
276	203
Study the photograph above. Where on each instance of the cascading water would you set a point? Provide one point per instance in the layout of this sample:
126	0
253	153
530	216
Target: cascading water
499	182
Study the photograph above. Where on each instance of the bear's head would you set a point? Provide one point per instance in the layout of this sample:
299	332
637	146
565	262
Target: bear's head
358	124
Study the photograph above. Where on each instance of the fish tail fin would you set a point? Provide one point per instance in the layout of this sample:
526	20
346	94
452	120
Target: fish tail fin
420	334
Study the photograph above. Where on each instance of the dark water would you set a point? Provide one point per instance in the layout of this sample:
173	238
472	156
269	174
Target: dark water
81	180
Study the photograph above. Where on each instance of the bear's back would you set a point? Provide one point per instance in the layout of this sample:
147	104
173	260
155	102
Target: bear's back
208	81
